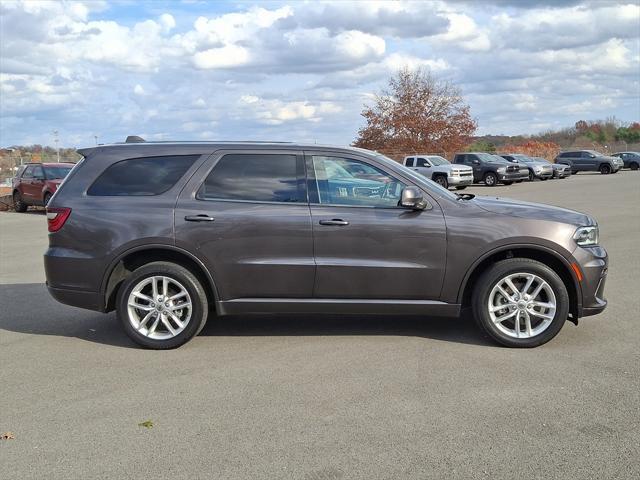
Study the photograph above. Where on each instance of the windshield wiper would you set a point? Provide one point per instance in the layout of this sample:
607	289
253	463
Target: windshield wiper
465	196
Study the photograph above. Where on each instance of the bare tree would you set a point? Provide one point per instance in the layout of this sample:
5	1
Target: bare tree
417	113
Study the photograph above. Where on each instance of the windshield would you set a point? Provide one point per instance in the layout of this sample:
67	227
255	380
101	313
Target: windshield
416	177
437	160
57	171
523	158
487	157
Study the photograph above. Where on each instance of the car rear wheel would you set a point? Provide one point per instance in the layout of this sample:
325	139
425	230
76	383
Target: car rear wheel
441	180
605	169
18	204
490	179
633	166
461	187
531	176
520	302
47	198
162	305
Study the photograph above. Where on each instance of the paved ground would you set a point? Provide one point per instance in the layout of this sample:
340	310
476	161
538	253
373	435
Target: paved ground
324	398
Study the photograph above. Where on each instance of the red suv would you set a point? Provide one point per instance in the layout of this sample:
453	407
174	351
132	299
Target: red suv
35	183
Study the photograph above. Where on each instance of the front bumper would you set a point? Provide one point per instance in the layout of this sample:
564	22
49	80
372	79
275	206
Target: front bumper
594	265
513	176
456	180
557	173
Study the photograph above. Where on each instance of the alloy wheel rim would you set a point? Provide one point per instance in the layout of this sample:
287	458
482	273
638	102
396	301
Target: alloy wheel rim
159	307
490	180
522	305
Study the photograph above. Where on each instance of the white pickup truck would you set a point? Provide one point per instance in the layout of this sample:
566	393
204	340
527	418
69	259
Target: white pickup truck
439	170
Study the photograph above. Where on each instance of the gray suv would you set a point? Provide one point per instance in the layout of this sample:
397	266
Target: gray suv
170	234
590	161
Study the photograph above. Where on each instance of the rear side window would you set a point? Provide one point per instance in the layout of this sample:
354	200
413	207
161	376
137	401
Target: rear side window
256	177
142	176
409	162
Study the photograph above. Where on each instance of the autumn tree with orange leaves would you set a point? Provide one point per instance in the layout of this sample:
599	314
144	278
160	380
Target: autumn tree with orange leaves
416	113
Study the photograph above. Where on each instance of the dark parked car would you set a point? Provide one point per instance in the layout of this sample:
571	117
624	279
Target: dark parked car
560	170
589	161
535	168
629	159
491	169
168	234
35	183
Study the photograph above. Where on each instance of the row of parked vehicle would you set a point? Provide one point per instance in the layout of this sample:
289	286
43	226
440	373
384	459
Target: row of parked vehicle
492	169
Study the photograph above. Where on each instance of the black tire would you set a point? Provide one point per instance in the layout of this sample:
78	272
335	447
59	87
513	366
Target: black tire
46	199
508	182
461	187
490	179
18	204
531	176
633	166
199	302
485	284
519	181
605	169
441	180
574	172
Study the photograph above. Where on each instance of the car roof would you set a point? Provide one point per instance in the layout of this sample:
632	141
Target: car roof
47	164
230	144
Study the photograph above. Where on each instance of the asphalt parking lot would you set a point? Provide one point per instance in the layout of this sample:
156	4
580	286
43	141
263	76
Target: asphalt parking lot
330	397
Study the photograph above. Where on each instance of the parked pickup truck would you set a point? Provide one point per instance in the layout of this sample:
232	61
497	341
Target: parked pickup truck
439	170
491	169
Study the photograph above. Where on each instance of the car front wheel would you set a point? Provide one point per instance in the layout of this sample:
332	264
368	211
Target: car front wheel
442	181
162	305
633	166
490	179
520	302
605	169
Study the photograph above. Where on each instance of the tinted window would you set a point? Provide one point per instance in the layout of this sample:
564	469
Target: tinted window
142	176
338	186
57	171
409	162
28	172
38	172
422	162
255	177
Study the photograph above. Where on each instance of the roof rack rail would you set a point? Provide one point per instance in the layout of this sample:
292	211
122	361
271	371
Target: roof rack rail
134	139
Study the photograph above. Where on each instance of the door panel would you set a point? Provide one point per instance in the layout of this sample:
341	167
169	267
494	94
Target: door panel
364	252
253	249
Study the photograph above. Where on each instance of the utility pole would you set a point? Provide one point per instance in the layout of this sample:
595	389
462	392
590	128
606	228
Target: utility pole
96	137
55	139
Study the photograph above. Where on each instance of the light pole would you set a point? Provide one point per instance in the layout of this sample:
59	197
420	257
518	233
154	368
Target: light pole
96	137
55	139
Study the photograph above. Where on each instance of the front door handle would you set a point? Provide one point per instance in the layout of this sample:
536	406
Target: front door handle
199	218
334	221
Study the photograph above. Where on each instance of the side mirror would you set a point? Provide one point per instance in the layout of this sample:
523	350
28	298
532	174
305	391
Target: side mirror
475	161
591	155
412	198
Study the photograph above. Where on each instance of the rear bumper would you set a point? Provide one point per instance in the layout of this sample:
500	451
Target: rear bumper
78	298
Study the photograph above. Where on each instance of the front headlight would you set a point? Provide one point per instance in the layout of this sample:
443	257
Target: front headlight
537	169
586	236
502	169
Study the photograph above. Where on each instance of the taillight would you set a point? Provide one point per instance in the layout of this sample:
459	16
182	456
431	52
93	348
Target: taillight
56	217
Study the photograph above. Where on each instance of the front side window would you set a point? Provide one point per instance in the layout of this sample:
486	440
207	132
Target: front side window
423	162
142	176
338	186
28	172
38	172
255	177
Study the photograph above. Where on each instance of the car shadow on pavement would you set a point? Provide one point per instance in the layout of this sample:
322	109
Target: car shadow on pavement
29	309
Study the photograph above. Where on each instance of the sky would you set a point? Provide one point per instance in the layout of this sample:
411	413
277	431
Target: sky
302	71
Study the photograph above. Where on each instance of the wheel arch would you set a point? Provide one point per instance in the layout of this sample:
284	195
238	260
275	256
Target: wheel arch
552	259
136	257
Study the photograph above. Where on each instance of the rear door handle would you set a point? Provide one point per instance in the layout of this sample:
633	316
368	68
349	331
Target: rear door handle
199	218
335	221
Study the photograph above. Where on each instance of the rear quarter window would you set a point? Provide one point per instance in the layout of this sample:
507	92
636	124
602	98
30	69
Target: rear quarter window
141	176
